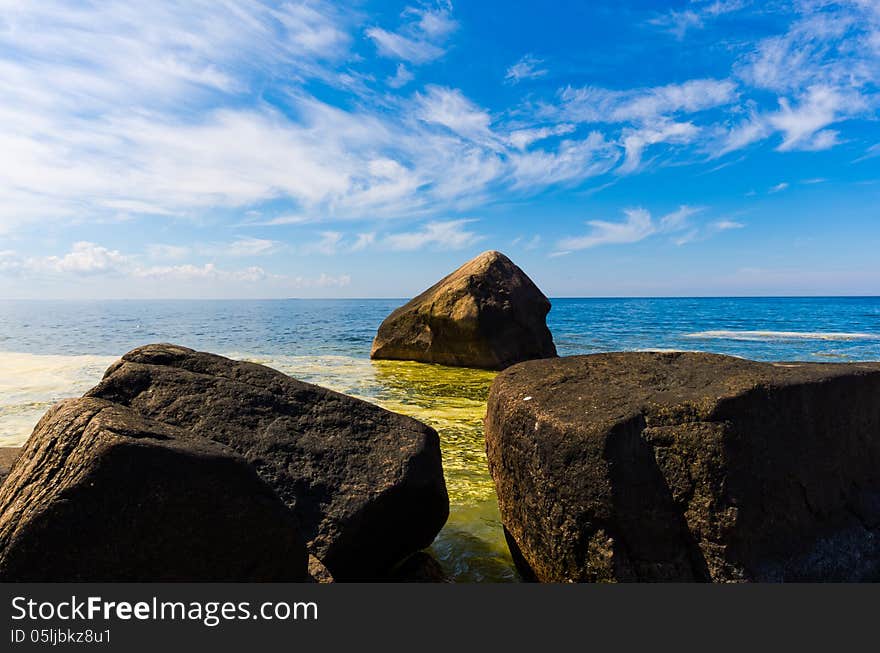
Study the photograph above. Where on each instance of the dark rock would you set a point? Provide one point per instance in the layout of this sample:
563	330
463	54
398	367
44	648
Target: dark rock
688	466
366	484
486	314
102	494
7	457
420	567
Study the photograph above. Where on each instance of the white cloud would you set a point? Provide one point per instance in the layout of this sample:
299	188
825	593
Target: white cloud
781	186
636	140
422	37
165	120
164	251
363	241
208	271
326	245
648	114
401	77
450	108
436	22
726	225
324	281
528	67
750	130
244	247
522	138
90	263
870	153
593	104
678	23
825	61
572	162
678	219
803	126
393	45
820	47
450	234
88	258
637	226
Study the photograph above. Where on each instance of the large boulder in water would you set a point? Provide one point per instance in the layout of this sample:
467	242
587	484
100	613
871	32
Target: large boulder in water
688	466
366	484
486	314
102	494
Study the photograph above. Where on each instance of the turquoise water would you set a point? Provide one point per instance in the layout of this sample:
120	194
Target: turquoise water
53	350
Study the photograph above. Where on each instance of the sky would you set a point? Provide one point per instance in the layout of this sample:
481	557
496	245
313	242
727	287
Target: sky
246	149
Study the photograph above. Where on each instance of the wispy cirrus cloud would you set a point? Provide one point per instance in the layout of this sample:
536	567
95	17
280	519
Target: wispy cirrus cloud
636	140
327	244
823	69
521	139
870	153
528	67
449	234
572	161
680	22
112	139
594	104
170	120
449	107
422	36
638	225
778	188
402	76
647	116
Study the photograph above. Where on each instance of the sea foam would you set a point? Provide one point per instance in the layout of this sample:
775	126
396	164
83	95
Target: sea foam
31	383
781	335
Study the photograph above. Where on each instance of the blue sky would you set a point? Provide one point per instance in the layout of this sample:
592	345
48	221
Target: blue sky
364	149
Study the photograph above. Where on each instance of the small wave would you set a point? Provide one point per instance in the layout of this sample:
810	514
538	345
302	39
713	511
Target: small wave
781	335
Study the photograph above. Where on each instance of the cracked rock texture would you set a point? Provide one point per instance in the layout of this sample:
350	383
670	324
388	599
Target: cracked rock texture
99	493
688	467
486	314
366	485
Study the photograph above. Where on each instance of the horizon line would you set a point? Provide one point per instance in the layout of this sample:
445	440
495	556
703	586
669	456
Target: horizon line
285	299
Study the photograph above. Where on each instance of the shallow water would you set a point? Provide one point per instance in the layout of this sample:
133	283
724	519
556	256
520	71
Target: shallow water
53	350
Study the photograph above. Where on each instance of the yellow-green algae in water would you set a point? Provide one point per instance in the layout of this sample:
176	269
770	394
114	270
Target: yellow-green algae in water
471	547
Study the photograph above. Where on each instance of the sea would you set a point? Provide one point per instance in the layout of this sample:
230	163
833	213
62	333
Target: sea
51	350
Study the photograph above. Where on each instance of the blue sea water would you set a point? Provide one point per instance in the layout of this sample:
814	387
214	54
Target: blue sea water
795	328
52	350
